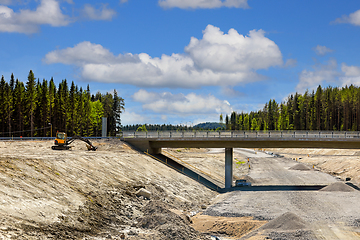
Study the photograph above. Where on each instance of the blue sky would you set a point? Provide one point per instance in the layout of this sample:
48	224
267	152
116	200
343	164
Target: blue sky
184	62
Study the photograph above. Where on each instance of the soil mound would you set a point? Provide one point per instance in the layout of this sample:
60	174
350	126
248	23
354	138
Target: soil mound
287	221
337	187
172	226
300	167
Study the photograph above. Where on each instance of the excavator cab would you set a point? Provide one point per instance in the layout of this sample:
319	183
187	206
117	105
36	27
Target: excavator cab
60	142
60	138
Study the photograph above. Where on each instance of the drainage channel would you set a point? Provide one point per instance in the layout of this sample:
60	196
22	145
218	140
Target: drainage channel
280	188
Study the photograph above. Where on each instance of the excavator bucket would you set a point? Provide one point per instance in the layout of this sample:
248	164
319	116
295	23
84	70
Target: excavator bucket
91	148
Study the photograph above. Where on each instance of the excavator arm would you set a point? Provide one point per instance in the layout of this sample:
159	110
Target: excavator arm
88	143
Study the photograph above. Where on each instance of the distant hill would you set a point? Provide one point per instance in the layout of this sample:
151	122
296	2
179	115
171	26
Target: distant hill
209	126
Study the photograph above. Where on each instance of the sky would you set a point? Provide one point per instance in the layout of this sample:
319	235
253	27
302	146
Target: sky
184	61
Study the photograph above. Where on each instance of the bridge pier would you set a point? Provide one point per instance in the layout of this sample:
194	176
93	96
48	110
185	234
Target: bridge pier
228	167
155	150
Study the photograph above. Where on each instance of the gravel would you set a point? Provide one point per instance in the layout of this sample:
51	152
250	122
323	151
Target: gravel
334	206
287	221
300	167
338	187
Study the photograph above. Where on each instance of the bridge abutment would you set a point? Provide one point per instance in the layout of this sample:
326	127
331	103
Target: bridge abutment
228	167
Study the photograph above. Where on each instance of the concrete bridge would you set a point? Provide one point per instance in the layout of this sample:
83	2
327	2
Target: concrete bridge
152	142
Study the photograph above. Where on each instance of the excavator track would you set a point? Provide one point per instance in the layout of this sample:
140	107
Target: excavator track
60	147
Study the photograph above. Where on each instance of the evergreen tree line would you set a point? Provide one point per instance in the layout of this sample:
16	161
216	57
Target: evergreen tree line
330	108
39	108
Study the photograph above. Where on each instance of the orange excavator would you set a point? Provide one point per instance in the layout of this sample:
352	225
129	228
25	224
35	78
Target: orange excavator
62	142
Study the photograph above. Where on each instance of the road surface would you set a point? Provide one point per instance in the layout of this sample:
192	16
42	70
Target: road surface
328	214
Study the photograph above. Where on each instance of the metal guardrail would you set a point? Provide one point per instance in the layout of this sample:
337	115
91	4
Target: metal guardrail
244	134
44	138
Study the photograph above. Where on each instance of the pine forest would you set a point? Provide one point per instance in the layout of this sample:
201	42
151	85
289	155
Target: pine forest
38	109
326	109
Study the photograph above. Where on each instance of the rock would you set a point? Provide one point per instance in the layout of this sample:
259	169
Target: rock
143	192
203	206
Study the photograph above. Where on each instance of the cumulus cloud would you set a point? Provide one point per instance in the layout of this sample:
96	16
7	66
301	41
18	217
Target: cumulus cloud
103	13
87	53
351	75
217	59
129	118
192	4
290	63
48	12
352	18
322	73
28	21
328	73
322	50
181	104
233	52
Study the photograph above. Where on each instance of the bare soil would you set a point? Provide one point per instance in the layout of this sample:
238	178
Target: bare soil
235	227
80	194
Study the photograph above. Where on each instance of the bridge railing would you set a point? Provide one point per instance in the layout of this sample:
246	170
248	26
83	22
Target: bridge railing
244	134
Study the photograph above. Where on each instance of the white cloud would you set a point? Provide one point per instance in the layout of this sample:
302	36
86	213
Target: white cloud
290	63
351	75
322	73
180	104
350	71
5	2
352	18
87	53
328	73
322	50
103	13
188	4
28	21
217	59
233	52
129	118
231	92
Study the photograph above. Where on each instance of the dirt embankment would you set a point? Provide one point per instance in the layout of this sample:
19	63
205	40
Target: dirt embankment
76	194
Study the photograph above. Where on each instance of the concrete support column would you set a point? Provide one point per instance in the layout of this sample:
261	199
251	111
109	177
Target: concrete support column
228	167
155	150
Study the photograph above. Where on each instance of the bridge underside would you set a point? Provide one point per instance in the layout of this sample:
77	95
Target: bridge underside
153	146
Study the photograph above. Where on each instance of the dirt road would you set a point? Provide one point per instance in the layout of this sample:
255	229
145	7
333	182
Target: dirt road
332	214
